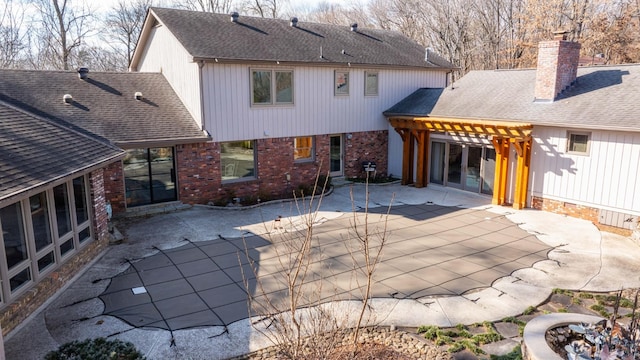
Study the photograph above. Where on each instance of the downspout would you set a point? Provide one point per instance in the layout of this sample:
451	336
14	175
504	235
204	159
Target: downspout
202	119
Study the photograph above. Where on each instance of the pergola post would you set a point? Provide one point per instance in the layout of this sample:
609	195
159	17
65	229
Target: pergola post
423	156
502	171
523	148
407	156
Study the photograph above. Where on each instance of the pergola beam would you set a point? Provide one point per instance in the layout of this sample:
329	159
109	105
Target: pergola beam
501	133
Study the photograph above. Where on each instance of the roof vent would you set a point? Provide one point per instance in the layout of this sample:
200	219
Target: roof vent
83	73
294	22
354	27
138	95
67	98
234	16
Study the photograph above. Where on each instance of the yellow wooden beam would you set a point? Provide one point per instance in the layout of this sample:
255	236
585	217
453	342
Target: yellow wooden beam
522	175
502	171
503	129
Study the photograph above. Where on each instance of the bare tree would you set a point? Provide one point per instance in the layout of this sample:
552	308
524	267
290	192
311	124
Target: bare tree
63	29
264	8
124	23
215	6
13	38
371	238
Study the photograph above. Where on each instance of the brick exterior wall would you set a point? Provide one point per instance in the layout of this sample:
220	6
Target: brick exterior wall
114	186
557	67
366	146
577	211
29	302
565	208
199	174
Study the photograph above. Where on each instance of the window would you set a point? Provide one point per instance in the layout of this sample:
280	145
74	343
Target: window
15	242
578	142
266	83
341	83
40	230
238	160
370	83
63	213
303	148
40	220
149	176
80	199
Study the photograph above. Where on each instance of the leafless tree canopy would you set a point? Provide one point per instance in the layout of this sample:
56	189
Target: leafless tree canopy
124	23
472	34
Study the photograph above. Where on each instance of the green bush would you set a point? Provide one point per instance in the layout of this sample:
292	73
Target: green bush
96	349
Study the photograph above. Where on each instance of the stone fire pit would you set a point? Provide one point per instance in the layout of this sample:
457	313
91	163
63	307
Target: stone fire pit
534	344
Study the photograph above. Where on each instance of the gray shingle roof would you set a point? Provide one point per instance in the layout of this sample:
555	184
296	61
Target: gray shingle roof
104	104
214	36
604	97
35	151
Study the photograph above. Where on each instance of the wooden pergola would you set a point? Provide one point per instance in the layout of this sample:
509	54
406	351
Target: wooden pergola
416	130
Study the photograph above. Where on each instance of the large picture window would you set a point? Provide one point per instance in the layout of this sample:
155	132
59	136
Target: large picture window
303	148
271	87
238	160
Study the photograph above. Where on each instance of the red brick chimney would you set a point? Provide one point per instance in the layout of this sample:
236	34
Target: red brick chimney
557	66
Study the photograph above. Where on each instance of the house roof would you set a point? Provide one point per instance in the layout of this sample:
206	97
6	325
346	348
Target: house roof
209	36
603	97
35	151
104	104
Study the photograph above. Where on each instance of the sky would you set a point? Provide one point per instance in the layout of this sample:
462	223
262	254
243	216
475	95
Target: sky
105	5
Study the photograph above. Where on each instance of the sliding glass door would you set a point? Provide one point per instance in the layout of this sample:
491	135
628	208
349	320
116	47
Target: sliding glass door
149	176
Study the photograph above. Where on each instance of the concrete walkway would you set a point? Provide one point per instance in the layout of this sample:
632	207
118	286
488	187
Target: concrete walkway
451	258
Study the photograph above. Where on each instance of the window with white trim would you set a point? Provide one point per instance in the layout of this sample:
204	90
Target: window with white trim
271	87
578	142
370	83
341	83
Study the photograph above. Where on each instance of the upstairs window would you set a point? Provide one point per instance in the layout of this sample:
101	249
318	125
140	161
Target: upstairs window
271	87
370	83
341	83
578	142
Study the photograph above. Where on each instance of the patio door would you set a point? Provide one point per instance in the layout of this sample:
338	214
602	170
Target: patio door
336	165
463	166
149	176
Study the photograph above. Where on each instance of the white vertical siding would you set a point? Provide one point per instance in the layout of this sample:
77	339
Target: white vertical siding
230	116
164	53
608	177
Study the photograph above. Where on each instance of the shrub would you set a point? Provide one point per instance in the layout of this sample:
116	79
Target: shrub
96	349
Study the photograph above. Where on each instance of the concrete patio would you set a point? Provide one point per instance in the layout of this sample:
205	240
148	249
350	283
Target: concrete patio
450	258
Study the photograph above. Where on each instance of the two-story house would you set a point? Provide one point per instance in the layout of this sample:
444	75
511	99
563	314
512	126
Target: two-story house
220	107
282	99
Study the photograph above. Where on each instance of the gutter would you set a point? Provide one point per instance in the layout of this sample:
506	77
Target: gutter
161	142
